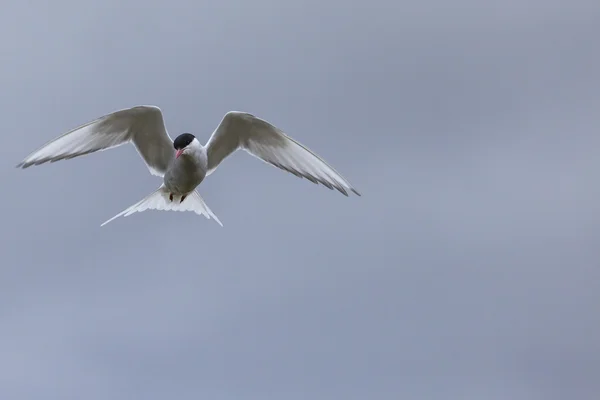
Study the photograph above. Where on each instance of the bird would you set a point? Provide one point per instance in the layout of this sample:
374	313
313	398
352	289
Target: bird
184	163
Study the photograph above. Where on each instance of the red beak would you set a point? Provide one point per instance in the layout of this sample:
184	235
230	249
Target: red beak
179	152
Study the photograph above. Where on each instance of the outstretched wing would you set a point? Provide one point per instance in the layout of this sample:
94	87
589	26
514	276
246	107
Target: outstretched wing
239	130
142	125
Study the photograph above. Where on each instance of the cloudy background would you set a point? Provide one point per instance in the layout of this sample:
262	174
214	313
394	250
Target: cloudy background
469	269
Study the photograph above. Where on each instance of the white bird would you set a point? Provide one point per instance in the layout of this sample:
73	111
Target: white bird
184	163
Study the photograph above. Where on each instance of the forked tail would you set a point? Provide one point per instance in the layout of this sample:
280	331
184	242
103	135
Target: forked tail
159	200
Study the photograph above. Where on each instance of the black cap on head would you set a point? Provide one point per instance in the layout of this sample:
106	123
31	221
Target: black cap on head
183	140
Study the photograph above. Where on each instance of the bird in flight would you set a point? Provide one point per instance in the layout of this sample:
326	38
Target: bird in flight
184	163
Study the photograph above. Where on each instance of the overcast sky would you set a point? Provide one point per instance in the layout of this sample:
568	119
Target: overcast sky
469	268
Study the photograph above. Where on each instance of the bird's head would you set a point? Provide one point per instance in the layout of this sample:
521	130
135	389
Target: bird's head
184	142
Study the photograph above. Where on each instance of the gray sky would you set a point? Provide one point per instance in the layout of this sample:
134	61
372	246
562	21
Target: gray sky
468	270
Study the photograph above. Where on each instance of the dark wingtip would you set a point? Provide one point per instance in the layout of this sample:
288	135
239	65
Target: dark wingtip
356	192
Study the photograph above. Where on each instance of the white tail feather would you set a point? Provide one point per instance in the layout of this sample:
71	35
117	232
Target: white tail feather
159	200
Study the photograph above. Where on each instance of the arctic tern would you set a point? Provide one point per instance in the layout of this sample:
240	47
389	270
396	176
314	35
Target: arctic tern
184	163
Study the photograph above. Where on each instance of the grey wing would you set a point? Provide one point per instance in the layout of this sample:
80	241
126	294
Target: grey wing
142	125
261	139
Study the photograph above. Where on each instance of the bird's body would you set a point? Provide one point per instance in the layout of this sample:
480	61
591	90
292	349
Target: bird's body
186	172
184	163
